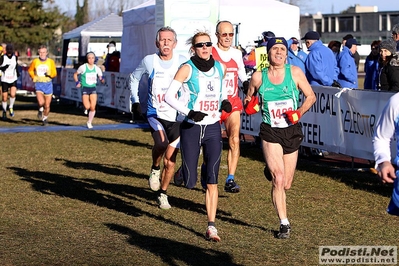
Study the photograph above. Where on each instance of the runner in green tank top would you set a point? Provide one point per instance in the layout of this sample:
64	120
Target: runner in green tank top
88	74
281	134
278	98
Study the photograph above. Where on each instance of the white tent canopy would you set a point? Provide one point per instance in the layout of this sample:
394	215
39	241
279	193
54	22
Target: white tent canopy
257	16
138	37
108	27
252	16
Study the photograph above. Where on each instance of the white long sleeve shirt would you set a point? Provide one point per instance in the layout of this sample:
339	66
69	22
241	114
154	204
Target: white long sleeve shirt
387	129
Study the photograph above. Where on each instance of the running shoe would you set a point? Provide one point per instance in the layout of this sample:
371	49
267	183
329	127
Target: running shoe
163	202
40	115
178	177
285	230
212	234
85	112
45	122
154	181
89	125
11	112
203	177
231	186
4	116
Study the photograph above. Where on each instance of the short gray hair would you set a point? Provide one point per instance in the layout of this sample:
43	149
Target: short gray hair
166	28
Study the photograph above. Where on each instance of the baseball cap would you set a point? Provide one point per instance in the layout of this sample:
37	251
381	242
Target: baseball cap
277	40
311	35
294	40
268	34
347	37
351	42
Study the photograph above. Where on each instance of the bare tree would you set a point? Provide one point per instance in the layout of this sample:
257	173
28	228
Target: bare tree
104	7
97	9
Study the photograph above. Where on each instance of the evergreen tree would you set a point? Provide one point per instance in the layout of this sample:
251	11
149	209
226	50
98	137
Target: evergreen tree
26	23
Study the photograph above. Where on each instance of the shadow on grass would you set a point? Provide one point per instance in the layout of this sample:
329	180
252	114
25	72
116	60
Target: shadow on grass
330	167
102	168
122	141
128	190
24	122
171	252
87	190
80	189
34	122
341	171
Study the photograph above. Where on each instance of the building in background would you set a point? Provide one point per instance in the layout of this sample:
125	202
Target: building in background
365	23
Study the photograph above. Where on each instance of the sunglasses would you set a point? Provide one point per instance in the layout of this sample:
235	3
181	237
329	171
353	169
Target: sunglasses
231	34
201	44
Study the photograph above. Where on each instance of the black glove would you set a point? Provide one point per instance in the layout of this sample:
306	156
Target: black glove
245	86
136	109
226	106
336	84
196	116
4	68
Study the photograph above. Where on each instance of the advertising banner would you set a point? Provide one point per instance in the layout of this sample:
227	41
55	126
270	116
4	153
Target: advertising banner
340	121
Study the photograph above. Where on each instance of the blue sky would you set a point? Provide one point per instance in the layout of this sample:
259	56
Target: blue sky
313	6
336	6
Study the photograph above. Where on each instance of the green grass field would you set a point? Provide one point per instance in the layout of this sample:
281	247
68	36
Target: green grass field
82	198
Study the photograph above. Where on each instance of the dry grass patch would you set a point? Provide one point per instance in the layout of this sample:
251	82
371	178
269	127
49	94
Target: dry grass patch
82	198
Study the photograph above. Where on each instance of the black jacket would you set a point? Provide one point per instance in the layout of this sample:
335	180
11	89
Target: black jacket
389	75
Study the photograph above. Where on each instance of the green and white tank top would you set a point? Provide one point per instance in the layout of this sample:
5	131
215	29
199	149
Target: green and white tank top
89	77
276	99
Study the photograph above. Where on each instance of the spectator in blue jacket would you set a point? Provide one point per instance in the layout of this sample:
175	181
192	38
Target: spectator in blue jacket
356	55
371	67
321	64
297	50
295	56
347	76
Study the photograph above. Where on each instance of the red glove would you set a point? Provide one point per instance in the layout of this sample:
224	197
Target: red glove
252	106
293	116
